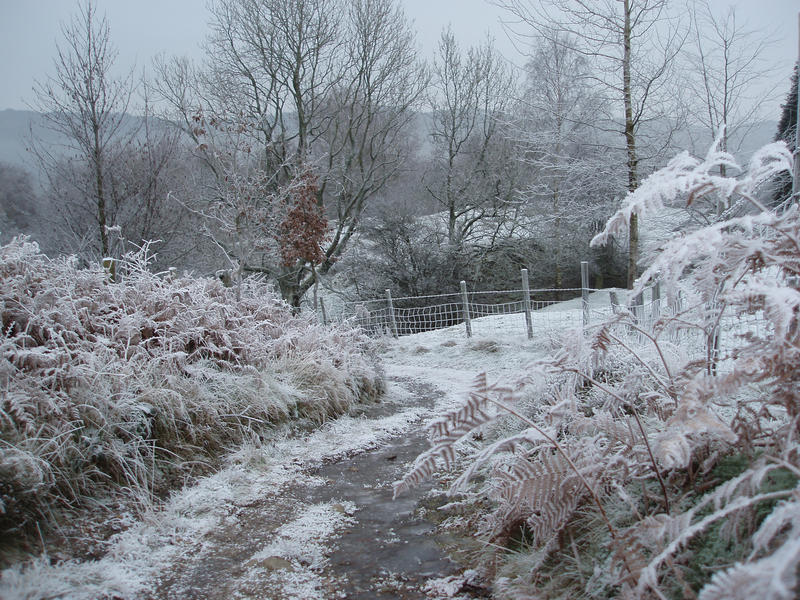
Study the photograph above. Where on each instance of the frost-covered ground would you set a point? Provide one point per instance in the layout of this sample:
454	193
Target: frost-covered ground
263	527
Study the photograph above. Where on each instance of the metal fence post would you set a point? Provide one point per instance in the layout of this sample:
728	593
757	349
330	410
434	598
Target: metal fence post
392	321
526	300
585	291
637	307
465	302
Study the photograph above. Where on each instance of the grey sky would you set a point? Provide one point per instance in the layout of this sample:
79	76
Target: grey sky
140	29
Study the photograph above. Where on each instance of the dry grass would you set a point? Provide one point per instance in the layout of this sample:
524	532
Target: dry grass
129	387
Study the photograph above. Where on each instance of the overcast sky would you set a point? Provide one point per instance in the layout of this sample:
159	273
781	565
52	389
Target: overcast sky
141	29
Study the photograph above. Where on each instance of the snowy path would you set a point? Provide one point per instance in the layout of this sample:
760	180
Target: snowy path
306	517
335	532
303	516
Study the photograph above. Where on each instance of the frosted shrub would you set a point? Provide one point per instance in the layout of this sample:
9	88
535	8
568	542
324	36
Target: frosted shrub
661	461
127	387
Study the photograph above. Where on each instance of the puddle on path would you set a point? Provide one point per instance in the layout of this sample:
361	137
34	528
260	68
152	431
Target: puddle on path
389	552
381	549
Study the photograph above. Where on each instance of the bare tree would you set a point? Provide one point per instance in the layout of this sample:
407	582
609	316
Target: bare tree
322	84
108	179
562	154
83	103
725	75
632	45
470	98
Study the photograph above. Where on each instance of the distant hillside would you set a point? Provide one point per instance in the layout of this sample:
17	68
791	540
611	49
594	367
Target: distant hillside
15	126
14	134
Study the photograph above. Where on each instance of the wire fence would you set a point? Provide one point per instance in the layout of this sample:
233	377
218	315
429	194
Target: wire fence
484	312
409	315
544	311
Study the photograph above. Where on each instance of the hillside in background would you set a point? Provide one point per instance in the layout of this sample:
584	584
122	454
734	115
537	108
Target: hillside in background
14	133
16	125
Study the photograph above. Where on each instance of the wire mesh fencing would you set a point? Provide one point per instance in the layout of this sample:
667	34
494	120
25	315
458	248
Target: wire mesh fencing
485	311
542	312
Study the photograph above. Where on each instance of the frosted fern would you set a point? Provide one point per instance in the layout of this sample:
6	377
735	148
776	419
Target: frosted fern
660	446
125	387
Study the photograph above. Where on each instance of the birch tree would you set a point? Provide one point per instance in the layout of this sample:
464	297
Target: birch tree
470	98
562	151
631	46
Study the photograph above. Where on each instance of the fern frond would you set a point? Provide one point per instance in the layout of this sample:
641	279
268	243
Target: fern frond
649	576
542	491
783	515
530	436
476	411
446	431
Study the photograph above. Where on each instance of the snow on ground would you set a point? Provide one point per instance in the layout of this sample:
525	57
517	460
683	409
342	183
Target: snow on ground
293	561
499	344
138	556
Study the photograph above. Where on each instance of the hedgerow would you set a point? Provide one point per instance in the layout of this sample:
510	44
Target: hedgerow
123	383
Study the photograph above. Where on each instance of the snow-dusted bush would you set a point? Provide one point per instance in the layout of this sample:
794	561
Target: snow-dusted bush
661	461
127	382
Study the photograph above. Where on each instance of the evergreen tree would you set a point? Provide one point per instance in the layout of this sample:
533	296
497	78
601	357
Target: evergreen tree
786	132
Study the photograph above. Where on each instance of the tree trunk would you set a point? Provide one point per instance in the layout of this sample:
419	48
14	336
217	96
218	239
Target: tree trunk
630	144
99	188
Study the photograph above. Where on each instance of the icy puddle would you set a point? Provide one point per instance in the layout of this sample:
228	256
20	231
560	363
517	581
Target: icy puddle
387	552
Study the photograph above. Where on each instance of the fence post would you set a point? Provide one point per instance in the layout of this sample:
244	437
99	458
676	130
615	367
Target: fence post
713	338
392	321
110	267
637	307
656	301
324	314
526	299
465	302
585	291
614	299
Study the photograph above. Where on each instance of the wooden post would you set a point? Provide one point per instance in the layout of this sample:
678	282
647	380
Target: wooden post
392	321
636	308
526	300
656	301
713	337
585	291
324	314
110	267
612	296
465	302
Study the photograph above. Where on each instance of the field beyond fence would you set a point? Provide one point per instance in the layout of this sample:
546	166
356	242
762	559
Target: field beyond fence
537	312
526	310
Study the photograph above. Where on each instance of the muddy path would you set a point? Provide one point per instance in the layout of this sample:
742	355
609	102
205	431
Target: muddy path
331	530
